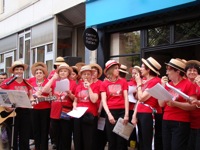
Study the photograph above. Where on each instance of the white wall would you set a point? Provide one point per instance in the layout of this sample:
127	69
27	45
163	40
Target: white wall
21	14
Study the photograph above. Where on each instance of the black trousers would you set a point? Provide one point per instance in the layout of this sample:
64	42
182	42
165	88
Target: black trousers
22	129
145	131
63	133
85	134
194	139
40	119
115	142
175	135
101	135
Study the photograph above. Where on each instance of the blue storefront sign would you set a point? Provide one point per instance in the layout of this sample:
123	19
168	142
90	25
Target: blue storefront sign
100	12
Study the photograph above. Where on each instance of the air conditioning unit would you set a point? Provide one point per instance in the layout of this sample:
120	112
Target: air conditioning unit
71	61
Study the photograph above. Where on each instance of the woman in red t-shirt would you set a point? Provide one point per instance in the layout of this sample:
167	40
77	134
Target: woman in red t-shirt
148	114
85	127
176	117
40	115
62	126
115	103
192	71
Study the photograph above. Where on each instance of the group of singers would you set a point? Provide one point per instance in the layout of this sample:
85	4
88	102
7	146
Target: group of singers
172	124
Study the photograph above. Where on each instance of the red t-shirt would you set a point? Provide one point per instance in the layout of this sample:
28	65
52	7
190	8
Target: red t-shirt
40	105
114	93
62	100
195	114
98	84
151	101
175	113
16	86
83	99
51	74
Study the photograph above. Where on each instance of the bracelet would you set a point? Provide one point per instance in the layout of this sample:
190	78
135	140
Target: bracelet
197	106
139	86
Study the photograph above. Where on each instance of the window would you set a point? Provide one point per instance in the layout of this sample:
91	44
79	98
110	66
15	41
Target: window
49	65
125	48
33	55
49	47
187	31
27	57
1	58
2	5
158	36
24	40
40	54
21	47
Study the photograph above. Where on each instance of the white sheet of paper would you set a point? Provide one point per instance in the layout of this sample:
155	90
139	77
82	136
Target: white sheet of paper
159	92
78	112
62	85
19	98
178	91
101	123
131	90
123	130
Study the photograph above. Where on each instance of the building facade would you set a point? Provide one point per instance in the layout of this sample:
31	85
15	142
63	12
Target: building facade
132	29
41	30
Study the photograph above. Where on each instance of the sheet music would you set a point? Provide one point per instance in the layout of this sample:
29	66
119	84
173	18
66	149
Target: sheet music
131	90
123	130
78	112
178	91
159	92
10	97
101	123
62	85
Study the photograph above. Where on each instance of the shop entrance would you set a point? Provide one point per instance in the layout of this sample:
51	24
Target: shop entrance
186	52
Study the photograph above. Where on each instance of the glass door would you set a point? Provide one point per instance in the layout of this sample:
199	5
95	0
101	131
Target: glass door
8	59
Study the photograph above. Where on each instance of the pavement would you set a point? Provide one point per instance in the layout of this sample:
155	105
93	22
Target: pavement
50	146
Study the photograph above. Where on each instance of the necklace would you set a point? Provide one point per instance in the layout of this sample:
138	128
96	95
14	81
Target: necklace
39	85
111	80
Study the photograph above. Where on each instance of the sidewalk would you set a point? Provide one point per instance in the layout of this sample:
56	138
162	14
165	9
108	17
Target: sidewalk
50	147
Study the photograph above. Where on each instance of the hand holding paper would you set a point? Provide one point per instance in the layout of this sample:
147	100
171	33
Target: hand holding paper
78	112
159	92
178	91
123	130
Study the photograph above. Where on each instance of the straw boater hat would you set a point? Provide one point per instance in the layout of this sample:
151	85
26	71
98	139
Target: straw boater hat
17	63
39	67
152	64
39	64
62	66
177	64
85	68
134	67
123	69
59	61
99	68
110	63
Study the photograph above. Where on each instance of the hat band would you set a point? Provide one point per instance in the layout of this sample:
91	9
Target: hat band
114	63
59	61
176	66
151	65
